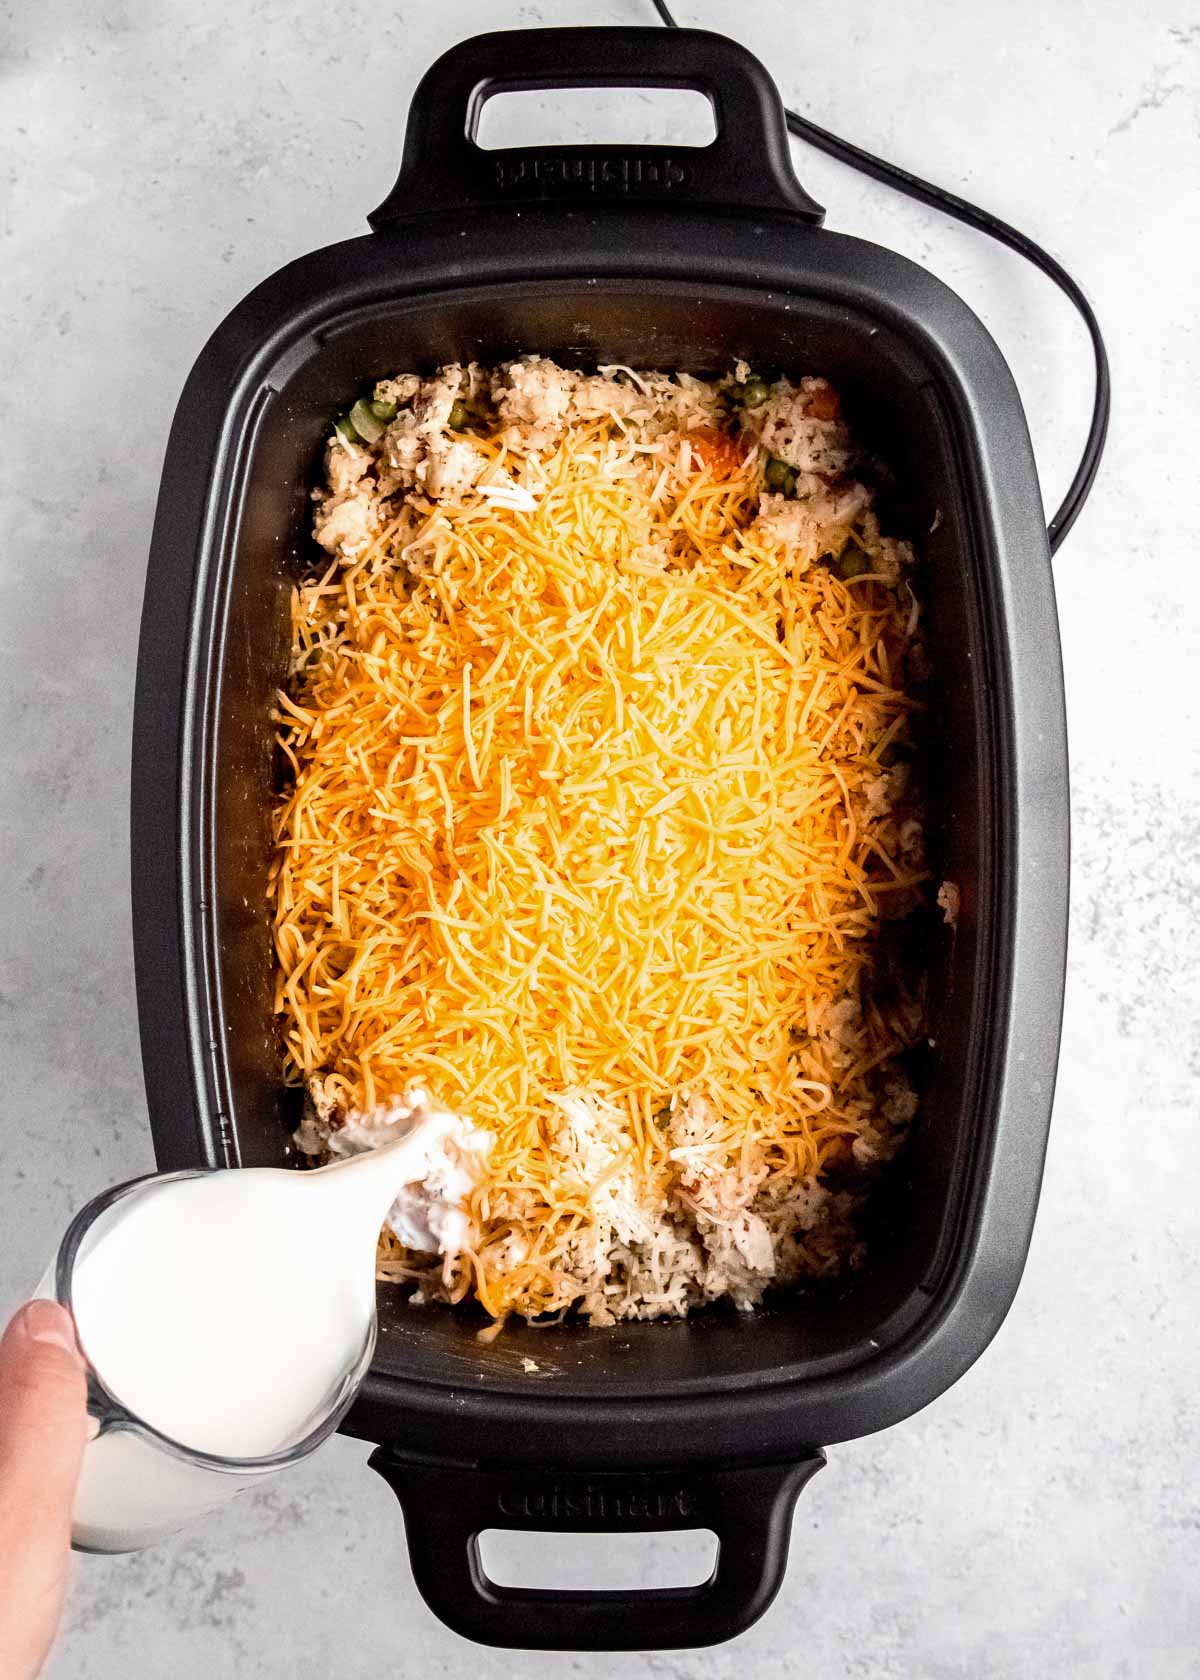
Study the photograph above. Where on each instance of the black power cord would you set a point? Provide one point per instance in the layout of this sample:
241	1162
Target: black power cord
982	220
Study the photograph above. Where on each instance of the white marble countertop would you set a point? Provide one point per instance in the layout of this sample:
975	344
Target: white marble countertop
160	159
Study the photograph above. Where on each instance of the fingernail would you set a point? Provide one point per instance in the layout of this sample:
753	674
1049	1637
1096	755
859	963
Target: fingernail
46	1321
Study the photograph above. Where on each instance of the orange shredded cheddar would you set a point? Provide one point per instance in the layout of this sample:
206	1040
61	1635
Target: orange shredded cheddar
586	798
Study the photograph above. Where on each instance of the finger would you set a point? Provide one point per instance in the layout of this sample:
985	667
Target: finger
43	1428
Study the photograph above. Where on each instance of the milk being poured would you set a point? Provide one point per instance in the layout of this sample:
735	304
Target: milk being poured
230	1312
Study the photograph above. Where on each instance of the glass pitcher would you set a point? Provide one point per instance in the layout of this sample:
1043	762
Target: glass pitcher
138	1484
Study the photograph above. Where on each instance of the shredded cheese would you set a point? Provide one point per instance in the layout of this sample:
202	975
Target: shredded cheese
582	806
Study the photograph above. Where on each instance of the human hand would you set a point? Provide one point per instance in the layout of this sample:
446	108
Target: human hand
43	1429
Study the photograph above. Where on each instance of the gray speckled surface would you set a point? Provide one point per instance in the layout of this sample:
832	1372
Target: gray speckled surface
158	159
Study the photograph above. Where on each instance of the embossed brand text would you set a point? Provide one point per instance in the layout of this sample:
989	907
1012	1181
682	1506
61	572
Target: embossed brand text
565	172
588	1502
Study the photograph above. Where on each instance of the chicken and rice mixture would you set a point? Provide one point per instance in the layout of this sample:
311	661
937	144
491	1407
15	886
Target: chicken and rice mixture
601	825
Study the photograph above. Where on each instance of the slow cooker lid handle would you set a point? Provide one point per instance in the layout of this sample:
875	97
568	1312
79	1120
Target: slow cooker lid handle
747	167
447	1506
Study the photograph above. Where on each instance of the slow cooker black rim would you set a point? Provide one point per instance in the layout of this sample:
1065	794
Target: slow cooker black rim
175	1144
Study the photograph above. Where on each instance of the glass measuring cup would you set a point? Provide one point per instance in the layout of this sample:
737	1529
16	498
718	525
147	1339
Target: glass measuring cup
137	1483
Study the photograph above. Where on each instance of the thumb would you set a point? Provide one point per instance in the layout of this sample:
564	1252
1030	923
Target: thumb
43	1428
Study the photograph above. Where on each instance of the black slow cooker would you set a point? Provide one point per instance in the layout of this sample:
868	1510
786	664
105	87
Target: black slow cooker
655	257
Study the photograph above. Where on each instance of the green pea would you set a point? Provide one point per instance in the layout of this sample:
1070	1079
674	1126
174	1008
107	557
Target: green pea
458	417
853	562
753	392
779	476
383	410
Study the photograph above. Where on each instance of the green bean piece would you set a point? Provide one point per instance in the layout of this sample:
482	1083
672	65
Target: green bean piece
383	410
853	562
344	429
458	417
779	476
369	429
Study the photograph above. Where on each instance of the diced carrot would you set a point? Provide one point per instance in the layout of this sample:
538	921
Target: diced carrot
718	452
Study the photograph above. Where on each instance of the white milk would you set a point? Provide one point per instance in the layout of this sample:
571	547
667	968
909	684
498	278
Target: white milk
228	1311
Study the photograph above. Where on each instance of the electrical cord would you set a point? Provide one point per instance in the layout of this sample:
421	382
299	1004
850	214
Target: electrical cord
984	222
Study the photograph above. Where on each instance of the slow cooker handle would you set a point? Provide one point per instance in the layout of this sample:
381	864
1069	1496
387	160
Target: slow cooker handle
747	166
447	1506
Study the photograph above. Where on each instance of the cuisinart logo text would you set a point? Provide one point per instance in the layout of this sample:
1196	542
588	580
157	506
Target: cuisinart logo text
588	1502
561	171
